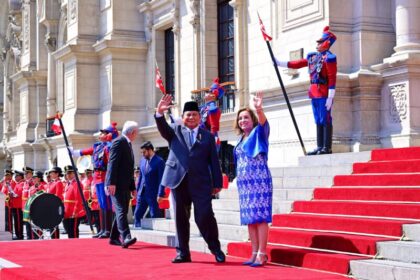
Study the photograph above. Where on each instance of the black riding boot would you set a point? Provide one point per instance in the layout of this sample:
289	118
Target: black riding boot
108	217
319	140
101	224
328	131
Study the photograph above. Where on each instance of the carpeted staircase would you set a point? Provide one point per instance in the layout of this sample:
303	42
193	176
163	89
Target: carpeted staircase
349	222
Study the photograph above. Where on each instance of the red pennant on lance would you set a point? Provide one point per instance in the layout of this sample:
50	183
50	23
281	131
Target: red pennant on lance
264	33
159	82
56	128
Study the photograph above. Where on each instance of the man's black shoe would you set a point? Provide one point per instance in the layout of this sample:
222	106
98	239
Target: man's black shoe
115	242
104	235
219	256
128	242
181	259
98	234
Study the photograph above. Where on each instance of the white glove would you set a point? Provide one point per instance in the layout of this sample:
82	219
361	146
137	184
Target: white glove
331	94
280	63
75	153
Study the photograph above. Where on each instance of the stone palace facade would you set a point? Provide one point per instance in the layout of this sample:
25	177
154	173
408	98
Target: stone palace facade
95	60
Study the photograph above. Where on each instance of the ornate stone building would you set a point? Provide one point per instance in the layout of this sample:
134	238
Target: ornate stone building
95	62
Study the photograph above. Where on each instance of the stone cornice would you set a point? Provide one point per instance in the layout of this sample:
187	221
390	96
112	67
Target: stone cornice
153	5
70	50
33	77
120	46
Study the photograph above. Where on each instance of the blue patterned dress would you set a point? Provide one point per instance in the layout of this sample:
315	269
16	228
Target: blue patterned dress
255	185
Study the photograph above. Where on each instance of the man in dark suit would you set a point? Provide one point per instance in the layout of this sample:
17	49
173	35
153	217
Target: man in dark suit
120	182
193	172
151	171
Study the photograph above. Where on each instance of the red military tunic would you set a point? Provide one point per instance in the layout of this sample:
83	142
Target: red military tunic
87	183
100	152
95	204
322	72
73	206
16	202
37	187
55	187
5	190
25	191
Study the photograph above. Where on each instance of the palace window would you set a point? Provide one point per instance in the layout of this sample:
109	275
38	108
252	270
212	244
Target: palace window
226	52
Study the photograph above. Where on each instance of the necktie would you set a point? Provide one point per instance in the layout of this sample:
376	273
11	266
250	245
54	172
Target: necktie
147	165
192	139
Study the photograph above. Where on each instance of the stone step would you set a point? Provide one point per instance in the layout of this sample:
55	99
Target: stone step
231	232
412	232
402	251
168	239
316	171
306	182
228	217
334	159
279	206
384	270
280	194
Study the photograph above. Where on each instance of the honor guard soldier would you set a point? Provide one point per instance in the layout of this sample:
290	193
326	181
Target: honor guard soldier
322	66
28	183
73	205
94	207
86	181
56	187
16	204
39	183
100	155
6	187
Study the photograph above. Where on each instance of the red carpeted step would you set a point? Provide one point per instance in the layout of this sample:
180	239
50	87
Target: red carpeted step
349	243
333	262
372	194
396	166
376	209
360	225
396	153
377	180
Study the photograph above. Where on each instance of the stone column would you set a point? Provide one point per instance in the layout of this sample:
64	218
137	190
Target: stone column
241	46
49	17
195	22
407	18
400	104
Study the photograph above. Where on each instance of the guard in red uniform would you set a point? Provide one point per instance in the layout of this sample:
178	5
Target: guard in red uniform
16	205
100	155
28	183
94	207
322	66
73	205
39	183
56	187
6	187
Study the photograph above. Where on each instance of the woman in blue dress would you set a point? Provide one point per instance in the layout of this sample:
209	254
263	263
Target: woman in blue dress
255	185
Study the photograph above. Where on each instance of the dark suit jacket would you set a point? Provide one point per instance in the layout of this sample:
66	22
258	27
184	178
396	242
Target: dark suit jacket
200	160
120	170
150	179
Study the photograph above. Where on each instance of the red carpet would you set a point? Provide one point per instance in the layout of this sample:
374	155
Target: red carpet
95	259
369	206
338	223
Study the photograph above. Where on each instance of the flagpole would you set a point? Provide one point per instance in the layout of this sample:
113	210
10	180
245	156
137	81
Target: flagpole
79	185
283	88
163	92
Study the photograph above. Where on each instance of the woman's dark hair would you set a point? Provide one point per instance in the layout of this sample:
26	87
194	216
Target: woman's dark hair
253	117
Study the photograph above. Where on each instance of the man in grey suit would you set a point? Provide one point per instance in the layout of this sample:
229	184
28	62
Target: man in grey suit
193	173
